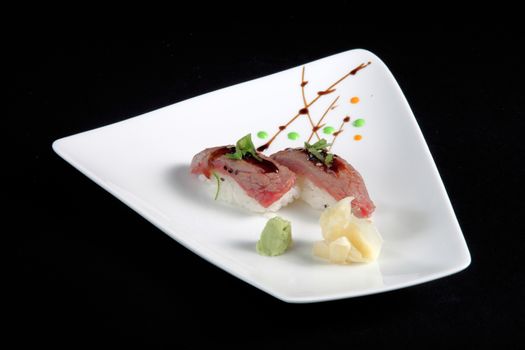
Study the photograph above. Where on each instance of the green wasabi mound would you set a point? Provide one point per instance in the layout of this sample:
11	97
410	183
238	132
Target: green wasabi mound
275	238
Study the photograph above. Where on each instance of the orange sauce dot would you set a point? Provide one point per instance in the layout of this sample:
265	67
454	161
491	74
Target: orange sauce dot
358	137
354	100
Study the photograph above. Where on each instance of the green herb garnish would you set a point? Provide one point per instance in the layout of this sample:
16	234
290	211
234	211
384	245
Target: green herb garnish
319	151
329	159
218	185
244	147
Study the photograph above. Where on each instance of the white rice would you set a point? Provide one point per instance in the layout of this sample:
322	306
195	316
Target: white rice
230	192
315	196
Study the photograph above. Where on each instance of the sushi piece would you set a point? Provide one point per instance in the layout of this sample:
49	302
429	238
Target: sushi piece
241	176
326	178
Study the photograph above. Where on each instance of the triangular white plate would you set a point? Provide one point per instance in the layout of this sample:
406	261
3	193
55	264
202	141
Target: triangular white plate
144	161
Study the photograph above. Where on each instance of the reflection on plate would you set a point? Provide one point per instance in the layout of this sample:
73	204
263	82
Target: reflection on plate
144	161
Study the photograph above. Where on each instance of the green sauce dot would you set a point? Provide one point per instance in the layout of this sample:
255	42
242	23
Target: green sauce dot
293	135
262	134
328	130
359	123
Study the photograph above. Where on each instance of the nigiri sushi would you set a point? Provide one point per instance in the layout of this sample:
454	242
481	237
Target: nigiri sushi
325	178
241	176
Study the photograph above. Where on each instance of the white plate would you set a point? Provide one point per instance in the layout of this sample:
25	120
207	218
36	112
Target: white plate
144	162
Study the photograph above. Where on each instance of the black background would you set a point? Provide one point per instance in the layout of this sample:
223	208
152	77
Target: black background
90	271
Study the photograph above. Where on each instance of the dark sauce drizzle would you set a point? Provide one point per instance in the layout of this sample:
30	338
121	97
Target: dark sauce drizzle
326	92
339	131
304	110
333	168
267	166
319	125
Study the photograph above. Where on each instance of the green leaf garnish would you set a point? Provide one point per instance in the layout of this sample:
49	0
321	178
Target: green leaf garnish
218	185
236	155
244	147
319	151
329	159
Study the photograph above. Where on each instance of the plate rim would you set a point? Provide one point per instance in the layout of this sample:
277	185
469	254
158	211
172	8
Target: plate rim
58	147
